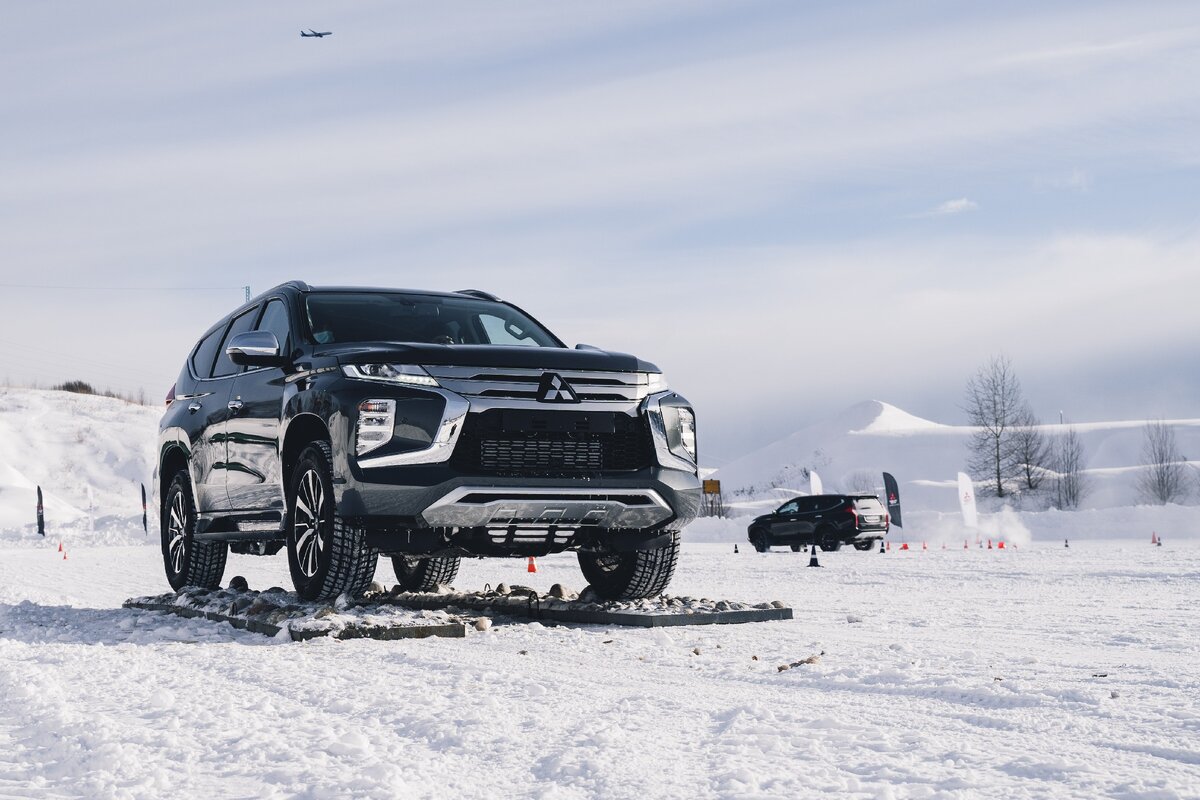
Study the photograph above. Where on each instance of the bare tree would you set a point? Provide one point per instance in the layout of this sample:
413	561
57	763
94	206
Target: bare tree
1030	451
1070	484
860	482
1163	477
993	404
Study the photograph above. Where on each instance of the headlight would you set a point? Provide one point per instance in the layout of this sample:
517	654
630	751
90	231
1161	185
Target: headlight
687	432
408	374
657	382
376	422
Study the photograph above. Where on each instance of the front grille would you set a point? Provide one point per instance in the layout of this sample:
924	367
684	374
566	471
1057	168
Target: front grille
504	442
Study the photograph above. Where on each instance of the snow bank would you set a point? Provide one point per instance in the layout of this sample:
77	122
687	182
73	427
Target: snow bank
89	454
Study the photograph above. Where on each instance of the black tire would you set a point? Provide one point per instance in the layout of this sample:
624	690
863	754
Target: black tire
628	576
828	542
864	545
187	561
759	540
327	556
424	574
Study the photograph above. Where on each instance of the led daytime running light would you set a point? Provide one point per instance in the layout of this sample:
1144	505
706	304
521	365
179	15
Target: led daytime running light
408	374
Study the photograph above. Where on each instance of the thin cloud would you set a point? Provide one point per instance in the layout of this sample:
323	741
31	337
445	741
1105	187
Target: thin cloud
948	208
1077	180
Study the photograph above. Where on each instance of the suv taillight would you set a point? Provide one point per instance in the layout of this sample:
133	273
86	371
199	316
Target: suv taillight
171	394
854	513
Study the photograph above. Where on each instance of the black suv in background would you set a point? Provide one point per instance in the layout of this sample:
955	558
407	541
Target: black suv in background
826	520
346	423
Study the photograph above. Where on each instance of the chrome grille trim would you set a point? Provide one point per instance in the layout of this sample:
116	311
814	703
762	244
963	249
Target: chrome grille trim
520	383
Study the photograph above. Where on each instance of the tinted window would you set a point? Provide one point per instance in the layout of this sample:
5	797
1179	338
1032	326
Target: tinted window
391	317
275	320
868	505
240	325
202	358
788	508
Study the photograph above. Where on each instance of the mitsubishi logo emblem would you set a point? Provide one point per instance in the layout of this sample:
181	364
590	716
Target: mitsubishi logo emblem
553	389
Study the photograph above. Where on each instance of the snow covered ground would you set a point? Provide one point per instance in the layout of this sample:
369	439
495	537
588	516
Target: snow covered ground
1036	672
1039	672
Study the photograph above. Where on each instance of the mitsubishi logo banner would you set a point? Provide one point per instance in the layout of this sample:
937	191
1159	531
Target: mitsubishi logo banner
893	498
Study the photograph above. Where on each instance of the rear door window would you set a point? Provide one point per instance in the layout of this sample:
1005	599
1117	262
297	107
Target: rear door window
202	358
241	324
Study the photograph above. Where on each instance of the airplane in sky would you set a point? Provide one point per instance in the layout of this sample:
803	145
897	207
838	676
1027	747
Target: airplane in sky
311	34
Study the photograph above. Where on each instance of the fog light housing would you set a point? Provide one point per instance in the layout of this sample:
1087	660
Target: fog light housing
376	422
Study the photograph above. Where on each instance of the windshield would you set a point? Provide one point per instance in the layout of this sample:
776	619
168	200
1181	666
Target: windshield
868	505
393	317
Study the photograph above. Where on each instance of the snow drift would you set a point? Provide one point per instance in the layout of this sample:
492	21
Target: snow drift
89	454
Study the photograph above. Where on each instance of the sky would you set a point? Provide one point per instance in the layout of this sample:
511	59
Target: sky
789	207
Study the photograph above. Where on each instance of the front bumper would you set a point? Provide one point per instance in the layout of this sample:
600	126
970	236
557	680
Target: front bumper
436	497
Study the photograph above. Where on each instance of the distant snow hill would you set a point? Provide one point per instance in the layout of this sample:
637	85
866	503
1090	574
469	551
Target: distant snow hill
872	437
69	444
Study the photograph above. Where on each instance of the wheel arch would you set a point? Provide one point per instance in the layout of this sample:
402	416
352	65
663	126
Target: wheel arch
303	430
173	455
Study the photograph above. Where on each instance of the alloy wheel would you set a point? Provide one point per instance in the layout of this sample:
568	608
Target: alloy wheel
177	534
306	526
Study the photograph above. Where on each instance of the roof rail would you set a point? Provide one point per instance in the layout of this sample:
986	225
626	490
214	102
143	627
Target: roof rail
482	295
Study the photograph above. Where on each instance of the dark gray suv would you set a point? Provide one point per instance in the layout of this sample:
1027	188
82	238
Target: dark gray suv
826	520
345	423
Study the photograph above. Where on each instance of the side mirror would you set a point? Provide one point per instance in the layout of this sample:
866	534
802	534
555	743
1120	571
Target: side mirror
255	349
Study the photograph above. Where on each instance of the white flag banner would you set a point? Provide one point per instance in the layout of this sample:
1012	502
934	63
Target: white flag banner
814	483
966	500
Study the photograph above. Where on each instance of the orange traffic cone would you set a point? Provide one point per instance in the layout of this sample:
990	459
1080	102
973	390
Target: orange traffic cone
904	546
1153	537
1001	545
889	547
60	547
989	544
532	565
924	546
64	555
965	544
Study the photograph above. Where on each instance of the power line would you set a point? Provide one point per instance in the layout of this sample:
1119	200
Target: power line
123	288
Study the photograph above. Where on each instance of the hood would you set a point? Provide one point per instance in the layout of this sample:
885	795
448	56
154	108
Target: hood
550	358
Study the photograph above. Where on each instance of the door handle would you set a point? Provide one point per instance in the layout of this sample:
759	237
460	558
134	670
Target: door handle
194	407
235	406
